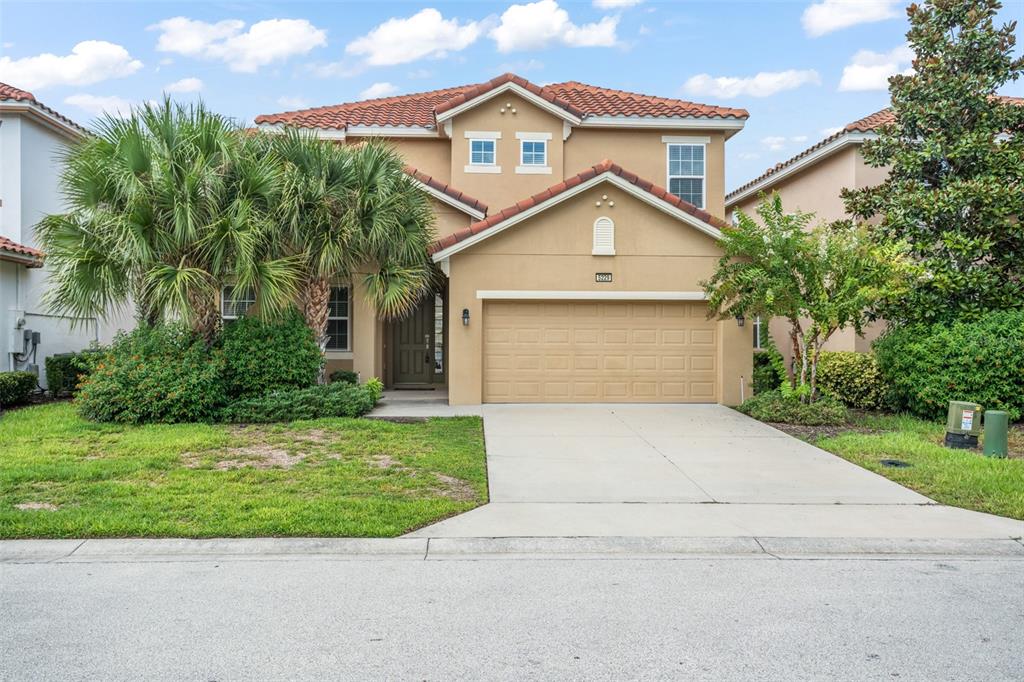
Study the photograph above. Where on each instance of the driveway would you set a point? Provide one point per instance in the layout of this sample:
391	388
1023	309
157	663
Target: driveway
676	470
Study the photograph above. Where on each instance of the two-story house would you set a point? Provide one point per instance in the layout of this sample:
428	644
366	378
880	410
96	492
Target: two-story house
575	225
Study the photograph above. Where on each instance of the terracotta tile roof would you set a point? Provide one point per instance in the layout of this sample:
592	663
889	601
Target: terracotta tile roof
868	124
605	166
14	247
11	93
447	189
419	109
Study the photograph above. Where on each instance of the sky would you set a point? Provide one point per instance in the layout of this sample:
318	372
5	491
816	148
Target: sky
801	68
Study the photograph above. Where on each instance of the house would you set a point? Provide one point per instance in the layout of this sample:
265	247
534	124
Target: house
575	224
32	139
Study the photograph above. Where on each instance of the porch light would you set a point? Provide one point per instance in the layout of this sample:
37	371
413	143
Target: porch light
740	320
465	317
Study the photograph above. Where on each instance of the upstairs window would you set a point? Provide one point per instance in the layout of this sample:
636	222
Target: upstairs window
235	302
481	152
534	153
604	237
339	320
686	172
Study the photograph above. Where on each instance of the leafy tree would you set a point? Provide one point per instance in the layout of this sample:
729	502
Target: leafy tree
166	207
347	210
820	279
956	154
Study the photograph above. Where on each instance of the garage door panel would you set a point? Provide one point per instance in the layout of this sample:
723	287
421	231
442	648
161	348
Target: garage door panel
539	351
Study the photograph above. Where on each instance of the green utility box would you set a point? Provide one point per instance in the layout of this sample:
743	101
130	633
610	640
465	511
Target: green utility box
996	433
963	425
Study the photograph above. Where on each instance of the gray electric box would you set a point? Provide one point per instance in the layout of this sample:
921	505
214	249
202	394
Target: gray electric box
963	424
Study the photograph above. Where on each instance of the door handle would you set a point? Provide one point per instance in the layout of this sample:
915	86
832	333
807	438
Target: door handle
426	358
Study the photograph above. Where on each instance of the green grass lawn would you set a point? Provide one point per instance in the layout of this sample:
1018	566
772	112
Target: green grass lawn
62	476
961	478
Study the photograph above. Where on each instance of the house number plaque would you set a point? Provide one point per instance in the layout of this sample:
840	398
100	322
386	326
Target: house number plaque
602	276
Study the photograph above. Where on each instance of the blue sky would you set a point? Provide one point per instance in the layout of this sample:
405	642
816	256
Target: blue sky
799	67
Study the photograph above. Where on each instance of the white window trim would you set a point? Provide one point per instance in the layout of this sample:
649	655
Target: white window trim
603	251
223	300
703	178
533	137
533	168
483	135
482	167
757	333
338	353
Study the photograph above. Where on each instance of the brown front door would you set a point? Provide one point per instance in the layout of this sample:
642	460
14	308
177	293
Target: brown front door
413	346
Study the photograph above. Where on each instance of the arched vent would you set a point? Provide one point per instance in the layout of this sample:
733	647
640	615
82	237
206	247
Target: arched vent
604	237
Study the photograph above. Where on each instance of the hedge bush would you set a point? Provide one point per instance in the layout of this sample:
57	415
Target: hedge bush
338	399
345	375
773	406
926	366
65	370
154	374
852	378
16	387
769	369
267	356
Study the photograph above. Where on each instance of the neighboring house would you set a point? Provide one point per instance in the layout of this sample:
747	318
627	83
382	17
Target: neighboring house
575	224
32	138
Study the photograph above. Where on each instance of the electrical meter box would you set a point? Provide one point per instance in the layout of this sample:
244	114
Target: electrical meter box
963	424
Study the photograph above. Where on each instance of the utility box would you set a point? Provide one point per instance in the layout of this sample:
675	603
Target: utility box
963	425
996	433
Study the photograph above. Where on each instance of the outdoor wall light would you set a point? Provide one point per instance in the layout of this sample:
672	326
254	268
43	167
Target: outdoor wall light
465	317
740	320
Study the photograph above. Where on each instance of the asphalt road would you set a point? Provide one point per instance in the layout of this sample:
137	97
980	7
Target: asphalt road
714	619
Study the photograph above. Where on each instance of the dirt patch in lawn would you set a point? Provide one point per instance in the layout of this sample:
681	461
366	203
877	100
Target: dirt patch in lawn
36	506
454	488
263	450
811	434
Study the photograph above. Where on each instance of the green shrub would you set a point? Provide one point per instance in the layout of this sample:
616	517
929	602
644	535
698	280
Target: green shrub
64	371
769	369
154	374
338	399
926	366
267	356
773	406
852	378
345	375
16	387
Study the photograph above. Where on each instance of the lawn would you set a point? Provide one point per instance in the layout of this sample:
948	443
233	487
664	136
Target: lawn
960	478
64	477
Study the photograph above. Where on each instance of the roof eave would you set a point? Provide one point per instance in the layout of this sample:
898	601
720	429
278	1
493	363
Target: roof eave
43	115
519	90
21	258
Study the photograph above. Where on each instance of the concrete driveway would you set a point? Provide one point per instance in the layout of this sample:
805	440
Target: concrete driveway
660	470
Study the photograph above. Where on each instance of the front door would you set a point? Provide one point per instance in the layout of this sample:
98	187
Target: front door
413	347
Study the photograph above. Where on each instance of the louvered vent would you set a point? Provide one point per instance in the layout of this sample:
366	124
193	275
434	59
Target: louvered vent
604	237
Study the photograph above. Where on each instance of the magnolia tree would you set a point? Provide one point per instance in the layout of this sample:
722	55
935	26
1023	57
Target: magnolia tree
820	280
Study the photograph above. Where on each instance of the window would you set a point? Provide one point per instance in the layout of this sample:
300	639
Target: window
481	152
534	153
686	172
235	302
438	334
604	237
759	334
339	320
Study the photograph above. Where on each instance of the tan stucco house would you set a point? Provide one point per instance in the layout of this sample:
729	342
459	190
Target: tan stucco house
575	224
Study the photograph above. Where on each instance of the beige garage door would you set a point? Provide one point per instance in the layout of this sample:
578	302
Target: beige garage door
576	351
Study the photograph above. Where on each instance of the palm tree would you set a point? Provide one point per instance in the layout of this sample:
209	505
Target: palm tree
347	208
167	206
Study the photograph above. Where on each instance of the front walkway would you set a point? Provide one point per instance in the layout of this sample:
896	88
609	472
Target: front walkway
685	470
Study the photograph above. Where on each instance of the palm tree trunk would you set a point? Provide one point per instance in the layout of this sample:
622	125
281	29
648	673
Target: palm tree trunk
316	296
205	315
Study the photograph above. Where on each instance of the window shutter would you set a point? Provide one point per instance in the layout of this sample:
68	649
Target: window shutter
604	237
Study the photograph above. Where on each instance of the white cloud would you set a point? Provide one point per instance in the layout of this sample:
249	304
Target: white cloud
90	61
425	34
378	90
292	102
749	156
539	24
829	132
799	138
616	4
833	15
871	70
774	142
264	43
184	85
763	84
98	104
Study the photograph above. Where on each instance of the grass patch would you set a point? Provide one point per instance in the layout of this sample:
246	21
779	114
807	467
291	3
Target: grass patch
960	478
62	476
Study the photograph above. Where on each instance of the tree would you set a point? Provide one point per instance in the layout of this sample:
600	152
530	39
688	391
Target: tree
956	158
820	280
166	207
351	208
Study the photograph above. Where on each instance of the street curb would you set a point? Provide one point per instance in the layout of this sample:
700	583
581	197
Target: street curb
441	549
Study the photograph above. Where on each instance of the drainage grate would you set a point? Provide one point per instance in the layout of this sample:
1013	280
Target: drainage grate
895	463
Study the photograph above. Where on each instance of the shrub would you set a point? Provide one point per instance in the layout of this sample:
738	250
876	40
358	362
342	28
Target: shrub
345	375
338	399
267	356
64	371
769	369
852	378
154	374
773	406
16	387
926	366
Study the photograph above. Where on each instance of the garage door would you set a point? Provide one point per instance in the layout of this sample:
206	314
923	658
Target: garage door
576	351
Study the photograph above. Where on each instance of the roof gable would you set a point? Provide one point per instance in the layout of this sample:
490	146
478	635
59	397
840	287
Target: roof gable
446	193
23	101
